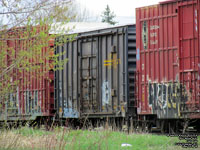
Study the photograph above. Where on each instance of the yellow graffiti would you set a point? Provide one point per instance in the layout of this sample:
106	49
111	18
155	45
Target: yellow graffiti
107	64
174	105
142	97
179	114
168	104
108	61
110	55
122	109
112	62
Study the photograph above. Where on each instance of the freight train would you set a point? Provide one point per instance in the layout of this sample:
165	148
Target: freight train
143	76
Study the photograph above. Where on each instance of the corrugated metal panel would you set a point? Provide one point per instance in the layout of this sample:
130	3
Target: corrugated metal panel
34	94
97	73
168	58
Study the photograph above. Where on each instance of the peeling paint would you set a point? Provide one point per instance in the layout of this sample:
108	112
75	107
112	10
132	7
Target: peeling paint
106	93
177	77
142	66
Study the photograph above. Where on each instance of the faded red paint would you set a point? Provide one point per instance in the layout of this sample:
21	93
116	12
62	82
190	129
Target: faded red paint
168	46
40	89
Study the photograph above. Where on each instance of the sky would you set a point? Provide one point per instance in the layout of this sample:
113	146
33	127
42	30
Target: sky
124	9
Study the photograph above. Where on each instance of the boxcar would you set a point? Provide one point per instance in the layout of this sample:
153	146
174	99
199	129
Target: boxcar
98	79
168	58
34	95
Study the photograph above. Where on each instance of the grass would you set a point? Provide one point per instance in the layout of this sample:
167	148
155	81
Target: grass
62	138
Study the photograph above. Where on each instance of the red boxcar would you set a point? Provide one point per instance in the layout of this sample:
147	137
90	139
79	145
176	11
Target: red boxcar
34	95
168	59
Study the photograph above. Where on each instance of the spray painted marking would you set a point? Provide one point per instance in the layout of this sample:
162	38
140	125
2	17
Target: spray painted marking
112	61
105	93
70	113
138	54
165	98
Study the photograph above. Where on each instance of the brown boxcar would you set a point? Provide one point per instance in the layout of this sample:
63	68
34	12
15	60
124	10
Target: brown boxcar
168	59
98	79
34	94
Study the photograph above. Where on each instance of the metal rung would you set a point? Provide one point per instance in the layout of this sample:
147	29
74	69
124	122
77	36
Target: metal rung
88	56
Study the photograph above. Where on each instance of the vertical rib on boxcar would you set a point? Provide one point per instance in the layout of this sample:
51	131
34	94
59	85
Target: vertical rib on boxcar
168	61
98	79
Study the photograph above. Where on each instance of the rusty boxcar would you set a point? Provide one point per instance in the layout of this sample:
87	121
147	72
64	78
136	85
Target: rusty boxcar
34	95
98	79
168	60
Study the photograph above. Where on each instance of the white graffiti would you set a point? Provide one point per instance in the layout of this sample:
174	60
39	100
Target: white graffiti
105	93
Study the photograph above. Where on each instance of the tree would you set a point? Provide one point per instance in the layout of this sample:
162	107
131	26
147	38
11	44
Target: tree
108	16
24	42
